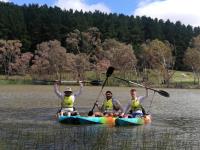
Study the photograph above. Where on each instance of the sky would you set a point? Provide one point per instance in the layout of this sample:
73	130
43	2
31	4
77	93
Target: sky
186	11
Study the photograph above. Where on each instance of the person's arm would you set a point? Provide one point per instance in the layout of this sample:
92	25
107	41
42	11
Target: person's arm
100	108
117	105
56	90
142	98
127	108
80	89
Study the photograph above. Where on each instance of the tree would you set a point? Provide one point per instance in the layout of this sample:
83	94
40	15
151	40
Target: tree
192	57
80	64
90	40
158	56
9	51
85	42
73	41
50	58
120	55
22	64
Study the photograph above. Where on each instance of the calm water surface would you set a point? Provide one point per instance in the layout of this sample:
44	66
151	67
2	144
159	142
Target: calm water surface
27	121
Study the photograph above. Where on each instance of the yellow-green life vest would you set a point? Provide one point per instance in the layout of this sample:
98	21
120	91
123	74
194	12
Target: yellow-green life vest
108	105
135	105
67	102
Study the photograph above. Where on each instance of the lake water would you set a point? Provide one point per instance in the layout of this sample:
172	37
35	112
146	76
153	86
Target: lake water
27	121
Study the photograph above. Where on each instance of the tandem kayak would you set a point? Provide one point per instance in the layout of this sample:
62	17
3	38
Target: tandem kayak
133	121
83	120
86	120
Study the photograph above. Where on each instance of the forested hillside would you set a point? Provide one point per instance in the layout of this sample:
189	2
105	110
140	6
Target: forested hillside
33	24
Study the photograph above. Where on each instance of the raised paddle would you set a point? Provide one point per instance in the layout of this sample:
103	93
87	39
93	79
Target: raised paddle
93	82
108	74
161	92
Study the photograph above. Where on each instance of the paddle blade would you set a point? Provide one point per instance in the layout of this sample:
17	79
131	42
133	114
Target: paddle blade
96	82
163	93
108	74
110	71
90	113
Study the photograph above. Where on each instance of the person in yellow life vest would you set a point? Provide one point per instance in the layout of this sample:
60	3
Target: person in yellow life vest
68	98
110	106
135	106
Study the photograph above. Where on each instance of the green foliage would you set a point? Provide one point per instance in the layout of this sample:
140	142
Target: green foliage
34	24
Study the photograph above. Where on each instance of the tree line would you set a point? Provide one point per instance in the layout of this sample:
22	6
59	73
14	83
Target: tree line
47	40
86	51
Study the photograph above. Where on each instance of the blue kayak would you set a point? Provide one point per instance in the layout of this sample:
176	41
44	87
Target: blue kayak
86	120
68	119
81	120
96	120
133	121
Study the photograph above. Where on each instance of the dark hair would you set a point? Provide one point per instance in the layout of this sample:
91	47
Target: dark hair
108	92
133	89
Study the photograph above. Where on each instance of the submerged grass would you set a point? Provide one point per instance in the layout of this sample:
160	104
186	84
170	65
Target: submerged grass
21	137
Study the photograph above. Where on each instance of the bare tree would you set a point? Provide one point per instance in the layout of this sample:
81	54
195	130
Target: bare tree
103	64
11	58
120	55
50	58
159	57
84	42
192	58
87	44
22	64
79	64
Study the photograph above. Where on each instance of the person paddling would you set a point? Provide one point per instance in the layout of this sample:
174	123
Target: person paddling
135	106
110	106
68	98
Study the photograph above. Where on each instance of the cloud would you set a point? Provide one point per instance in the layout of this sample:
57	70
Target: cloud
186	11
81	5
4	0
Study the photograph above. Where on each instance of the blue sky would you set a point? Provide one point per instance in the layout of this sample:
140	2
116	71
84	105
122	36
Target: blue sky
186	11
121	6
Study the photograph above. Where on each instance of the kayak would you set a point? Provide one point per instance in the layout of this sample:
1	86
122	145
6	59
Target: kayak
86	120
68	119
133	121
96	120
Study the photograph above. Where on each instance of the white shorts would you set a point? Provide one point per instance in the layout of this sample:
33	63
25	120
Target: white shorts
67	109
137	111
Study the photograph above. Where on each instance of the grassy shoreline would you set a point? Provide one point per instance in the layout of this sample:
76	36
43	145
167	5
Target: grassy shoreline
181	80
178	85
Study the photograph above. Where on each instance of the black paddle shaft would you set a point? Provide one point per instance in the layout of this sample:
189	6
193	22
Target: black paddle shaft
93	82
161	92
108	74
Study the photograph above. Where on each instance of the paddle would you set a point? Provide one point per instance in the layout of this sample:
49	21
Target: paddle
108	74
93	82
161	92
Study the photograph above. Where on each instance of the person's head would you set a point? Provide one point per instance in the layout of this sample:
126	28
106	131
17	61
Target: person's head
108	95
68	91
133	92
